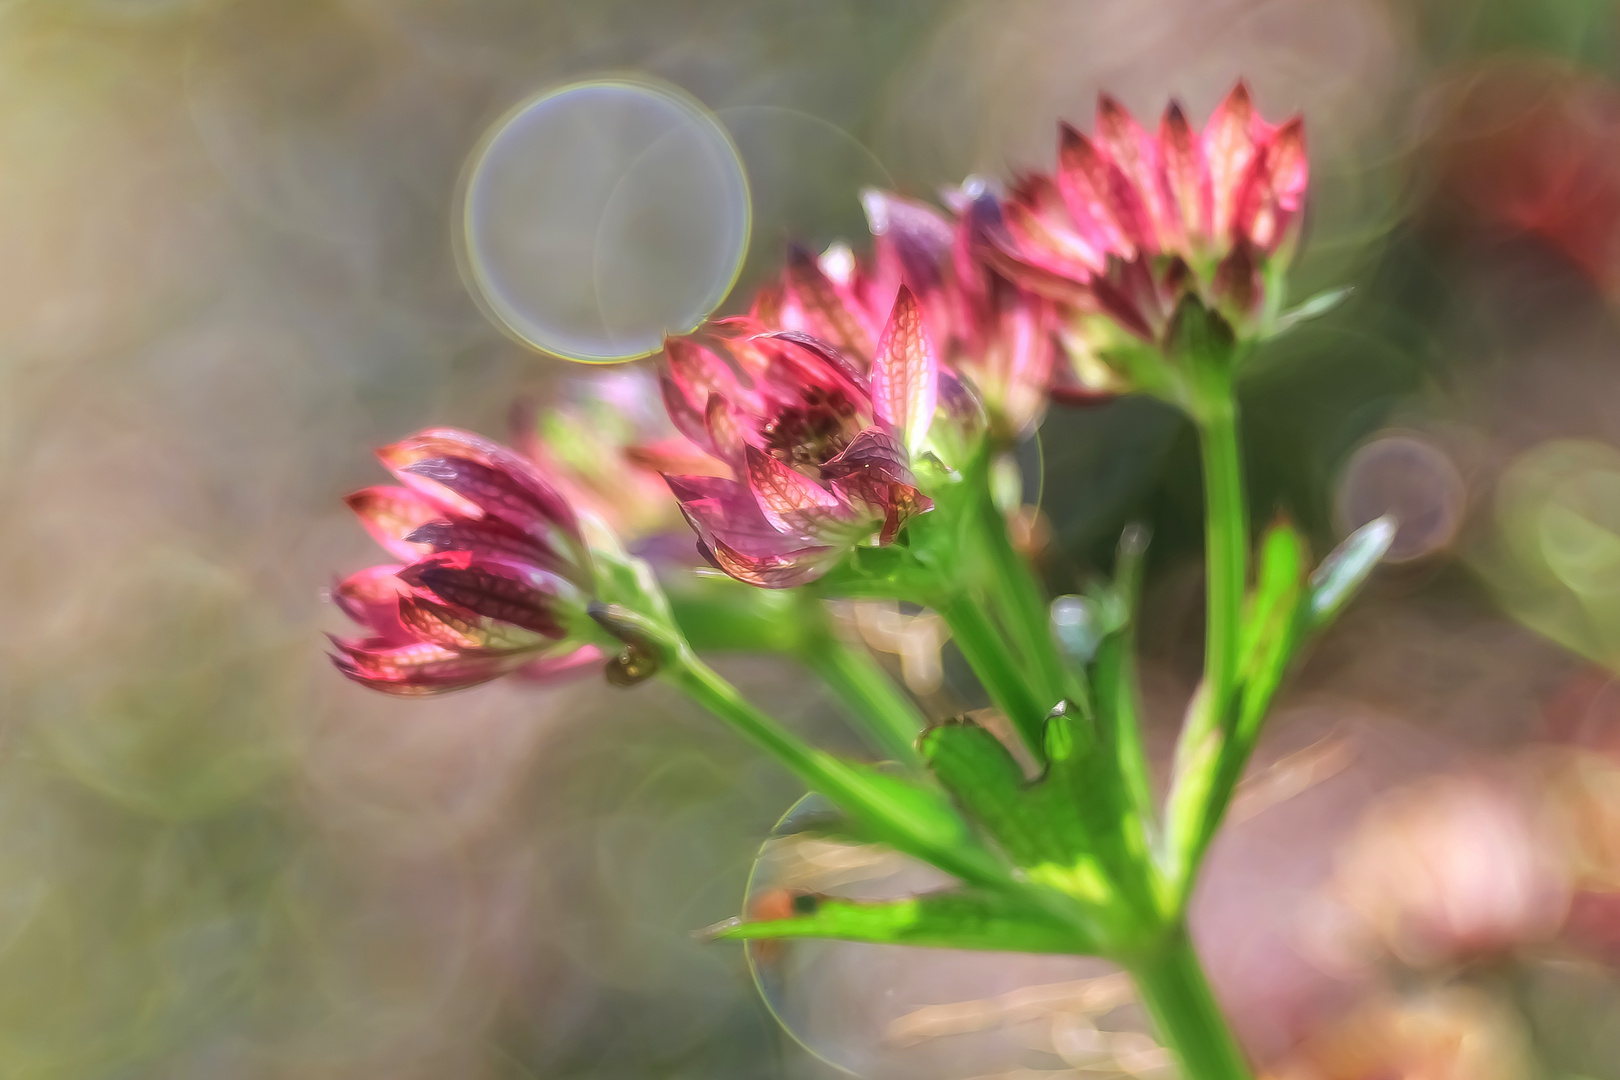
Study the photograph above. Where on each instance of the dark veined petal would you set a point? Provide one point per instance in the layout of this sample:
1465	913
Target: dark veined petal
490	536
371	598
905	374
687	416
873	476
389	514
418	668
492	589
482	474
800	361
792	502
442	624
725	428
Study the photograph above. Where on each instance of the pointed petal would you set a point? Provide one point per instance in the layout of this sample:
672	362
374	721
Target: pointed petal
371	598
493	589
482	474
417	669
719	508
1228	148
1136	154
1185	179
697	372
389	513
1105	207
821	308
441	624
782	571
1274	192
725	430
489	537
1044	236
905	374
873	476
686	415
792	502
911	241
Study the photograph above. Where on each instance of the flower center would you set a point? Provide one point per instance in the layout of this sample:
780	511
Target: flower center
813	431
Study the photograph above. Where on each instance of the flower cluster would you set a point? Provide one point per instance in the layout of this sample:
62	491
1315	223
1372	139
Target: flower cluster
494	574
819	421
1136	228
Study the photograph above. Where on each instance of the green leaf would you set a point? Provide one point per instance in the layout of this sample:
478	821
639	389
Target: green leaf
1349	564
965	919
1271	628
989	784
1315	307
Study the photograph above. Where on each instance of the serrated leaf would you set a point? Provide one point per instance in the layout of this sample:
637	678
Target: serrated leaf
965	919
1347	566
1314	308
989	784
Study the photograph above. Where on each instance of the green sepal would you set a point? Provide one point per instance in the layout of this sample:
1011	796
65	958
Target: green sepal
1314	308
957	919
1347	567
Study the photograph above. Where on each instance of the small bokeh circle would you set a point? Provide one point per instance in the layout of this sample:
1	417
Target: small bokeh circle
599	216
1403	474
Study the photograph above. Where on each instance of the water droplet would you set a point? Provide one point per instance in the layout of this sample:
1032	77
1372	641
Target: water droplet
600	216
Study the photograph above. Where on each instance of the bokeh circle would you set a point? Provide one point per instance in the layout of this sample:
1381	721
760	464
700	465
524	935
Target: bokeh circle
599	216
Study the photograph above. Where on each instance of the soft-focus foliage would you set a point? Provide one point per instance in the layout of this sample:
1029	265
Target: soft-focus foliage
228	278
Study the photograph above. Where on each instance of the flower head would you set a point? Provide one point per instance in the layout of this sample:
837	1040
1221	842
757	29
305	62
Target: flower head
819	449
493	573
1133	225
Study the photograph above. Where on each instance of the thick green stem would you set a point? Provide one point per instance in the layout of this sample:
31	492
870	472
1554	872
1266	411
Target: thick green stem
884	712
1226	524
995	666
1172	986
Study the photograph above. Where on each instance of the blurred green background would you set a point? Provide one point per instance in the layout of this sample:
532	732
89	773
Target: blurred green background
229	272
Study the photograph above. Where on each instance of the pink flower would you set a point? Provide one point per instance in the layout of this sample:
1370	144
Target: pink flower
996	334
1133	222
819	450
492	571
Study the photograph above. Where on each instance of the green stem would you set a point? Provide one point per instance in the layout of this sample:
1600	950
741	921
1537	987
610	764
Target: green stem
1226	522
905	816
885	714
1172	986
1017	597
994	664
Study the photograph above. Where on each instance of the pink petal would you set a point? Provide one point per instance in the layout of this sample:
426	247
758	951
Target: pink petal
493	589
721	509
1137	156
905	374
481	474
1107	210
371	598
417	669
872	475
441	624
490	537
1228	147
389	514
792	502
1185	179
1044	238
777	571
815	304
911	241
